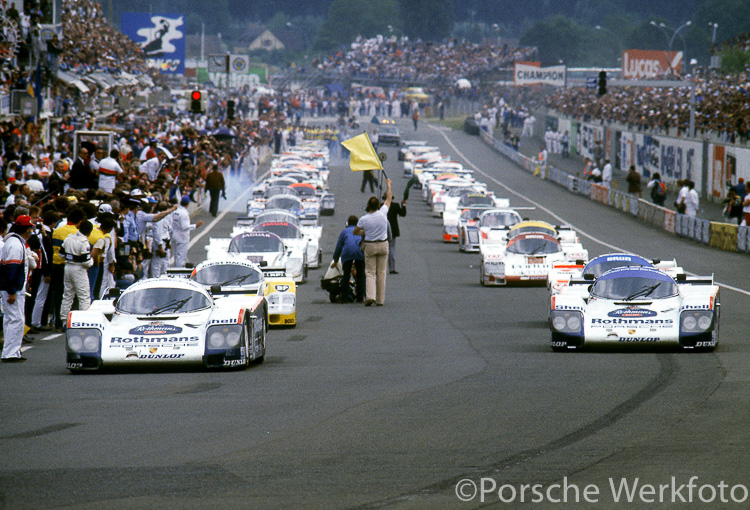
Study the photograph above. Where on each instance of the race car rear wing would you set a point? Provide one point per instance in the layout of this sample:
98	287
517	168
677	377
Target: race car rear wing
179	272
273	272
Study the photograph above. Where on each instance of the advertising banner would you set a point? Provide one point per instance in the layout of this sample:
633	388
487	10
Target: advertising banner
532	75
649	64
161	38
673	158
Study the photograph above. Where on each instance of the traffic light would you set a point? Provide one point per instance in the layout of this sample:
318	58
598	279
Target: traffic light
196	102
230	110
602	83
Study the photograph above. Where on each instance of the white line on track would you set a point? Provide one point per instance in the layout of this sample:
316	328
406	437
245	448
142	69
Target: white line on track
550	212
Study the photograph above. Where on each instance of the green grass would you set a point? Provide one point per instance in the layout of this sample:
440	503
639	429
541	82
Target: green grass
451	122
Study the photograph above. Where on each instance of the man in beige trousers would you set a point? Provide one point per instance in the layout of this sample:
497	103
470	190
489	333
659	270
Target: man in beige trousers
373	226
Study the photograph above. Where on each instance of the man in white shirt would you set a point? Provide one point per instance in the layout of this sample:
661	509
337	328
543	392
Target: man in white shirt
692	200
374	227
181	228
109	168
607	174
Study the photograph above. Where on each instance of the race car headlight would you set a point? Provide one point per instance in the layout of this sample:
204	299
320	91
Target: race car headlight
567	321
84	340
451	230
696	321
224	337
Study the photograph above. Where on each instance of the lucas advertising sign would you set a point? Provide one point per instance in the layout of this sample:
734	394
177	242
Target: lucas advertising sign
649	64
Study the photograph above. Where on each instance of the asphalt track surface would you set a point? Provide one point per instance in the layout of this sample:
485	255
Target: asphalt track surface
448	387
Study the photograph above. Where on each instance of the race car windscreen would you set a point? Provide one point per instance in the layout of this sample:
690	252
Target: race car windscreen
457	192
304	191
255	244
534	245
161	300
498	219
280	228
474	199
279	190
284	202
628	288
227	274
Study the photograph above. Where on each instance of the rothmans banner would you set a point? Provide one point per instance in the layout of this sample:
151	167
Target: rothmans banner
530	75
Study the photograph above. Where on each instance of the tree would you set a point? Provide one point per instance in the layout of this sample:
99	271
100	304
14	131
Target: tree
429	20
348	19
558	39
734	61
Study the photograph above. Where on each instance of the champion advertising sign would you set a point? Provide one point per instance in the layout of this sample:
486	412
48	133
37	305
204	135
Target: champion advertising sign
530	75
640	64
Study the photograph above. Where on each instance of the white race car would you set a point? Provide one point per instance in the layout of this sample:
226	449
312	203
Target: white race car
636	305
482	224
527	255
166	320
311	232
260	247
238	280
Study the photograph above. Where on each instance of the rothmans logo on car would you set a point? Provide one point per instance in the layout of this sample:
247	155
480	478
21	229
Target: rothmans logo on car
155	328
632	312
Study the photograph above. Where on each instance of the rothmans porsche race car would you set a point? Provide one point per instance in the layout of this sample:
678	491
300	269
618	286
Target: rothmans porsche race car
260	247
563	272
167	320
527	253
637	304
238	280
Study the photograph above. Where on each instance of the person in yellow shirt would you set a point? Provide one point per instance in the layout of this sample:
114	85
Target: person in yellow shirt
57	282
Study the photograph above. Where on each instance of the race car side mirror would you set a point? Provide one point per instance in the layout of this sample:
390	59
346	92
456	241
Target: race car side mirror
580	262
113	293
263	263
215	289
681	277
588	276
656	261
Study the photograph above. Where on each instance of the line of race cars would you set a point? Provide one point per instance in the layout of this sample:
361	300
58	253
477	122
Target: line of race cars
617	298
218	313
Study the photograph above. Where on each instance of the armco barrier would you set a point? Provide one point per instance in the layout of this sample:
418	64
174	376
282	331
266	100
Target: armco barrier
669	220
705	231
719	235
600	193
723	235
743	239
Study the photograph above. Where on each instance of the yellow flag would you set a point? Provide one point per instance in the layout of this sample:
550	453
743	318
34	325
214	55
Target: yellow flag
30	90
363	155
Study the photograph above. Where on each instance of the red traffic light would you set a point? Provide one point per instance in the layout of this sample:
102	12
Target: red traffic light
196	95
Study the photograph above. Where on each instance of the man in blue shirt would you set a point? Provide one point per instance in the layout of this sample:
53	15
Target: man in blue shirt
347	248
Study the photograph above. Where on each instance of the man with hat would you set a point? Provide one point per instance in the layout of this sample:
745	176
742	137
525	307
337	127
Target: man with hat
16	263
181	228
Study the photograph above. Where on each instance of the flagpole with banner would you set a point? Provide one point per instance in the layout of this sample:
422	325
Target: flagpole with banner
362	155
